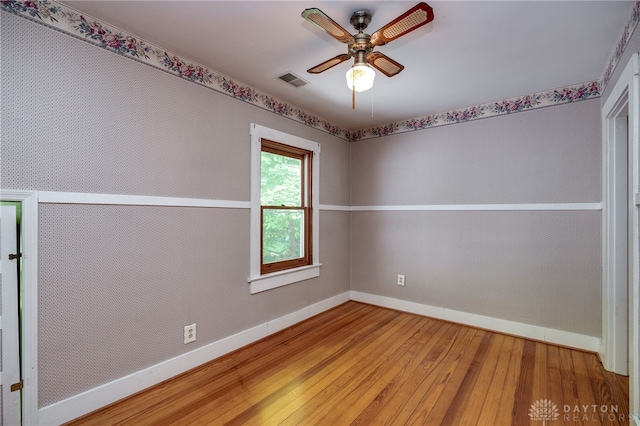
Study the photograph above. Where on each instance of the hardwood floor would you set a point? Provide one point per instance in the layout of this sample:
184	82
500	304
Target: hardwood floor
365	365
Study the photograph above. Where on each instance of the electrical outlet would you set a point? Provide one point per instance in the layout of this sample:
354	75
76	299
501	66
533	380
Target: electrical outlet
401	280
189	333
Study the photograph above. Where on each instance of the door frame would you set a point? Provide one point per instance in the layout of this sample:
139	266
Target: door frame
619	288
11	409
29	282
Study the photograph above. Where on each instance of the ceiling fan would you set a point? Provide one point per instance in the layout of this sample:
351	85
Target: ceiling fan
361	45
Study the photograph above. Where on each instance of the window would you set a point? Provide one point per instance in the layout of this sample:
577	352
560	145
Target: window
284	209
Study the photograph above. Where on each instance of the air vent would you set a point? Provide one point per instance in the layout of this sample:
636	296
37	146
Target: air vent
292	79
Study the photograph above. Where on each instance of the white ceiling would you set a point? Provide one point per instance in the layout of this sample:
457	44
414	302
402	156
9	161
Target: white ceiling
473	52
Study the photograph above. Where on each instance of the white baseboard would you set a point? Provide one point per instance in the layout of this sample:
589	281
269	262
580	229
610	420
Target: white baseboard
98	397
103	395
549	335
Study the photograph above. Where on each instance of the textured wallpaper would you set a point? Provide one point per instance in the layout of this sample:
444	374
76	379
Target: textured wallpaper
524	263
118	283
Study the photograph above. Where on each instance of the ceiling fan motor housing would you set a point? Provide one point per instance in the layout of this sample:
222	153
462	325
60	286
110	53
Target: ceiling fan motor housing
361	44
360	19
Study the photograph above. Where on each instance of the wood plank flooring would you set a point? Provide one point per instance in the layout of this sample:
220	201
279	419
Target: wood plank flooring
359	364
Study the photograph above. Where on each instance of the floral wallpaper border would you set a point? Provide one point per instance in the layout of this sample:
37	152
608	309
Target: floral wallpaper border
564	95
65	19
627	32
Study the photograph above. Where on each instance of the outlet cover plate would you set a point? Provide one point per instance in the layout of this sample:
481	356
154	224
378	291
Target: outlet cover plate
189	333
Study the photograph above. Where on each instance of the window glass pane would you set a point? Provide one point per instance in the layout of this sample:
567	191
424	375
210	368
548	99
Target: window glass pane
281	178
282	234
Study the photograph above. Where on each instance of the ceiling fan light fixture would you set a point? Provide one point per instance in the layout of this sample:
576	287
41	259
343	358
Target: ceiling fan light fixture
360	77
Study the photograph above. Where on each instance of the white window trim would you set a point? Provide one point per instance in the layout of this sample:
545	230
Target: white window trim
258	282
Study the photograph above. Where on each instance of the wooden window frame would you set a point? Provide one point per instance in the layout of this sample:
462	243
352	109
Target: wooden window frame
306	201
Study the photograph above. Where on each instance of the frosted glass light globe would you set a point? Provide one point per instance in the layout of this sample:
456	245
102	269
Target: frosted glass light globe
361	76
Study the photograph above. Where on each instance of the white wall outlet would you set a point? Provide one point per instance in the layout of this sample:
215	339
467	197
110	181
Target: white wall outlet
189	333
401	280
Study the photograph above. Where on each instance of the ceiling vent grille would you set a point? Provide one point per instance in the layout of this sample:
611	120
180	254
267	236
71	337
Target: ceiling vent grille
293	79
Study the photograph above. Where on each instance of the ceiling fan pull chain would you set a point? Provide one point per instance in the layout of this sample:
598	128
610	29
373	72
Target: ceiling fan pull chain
353	92
372	102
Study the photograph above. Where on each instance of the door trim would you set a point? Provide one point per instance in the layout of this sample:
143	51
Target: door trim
10	317
617	235
625	94
29	229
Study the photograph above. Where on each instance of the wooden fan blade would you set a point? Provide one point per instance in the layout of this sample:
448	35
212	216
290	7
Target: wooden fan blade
384	64
328	64
317	17
415	17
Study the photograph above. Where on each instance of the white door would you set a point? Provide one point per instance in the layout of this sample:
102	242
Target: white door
9	321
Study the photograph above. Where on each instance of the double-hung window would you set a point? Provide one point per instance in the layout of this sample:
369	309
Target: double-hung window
284	209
